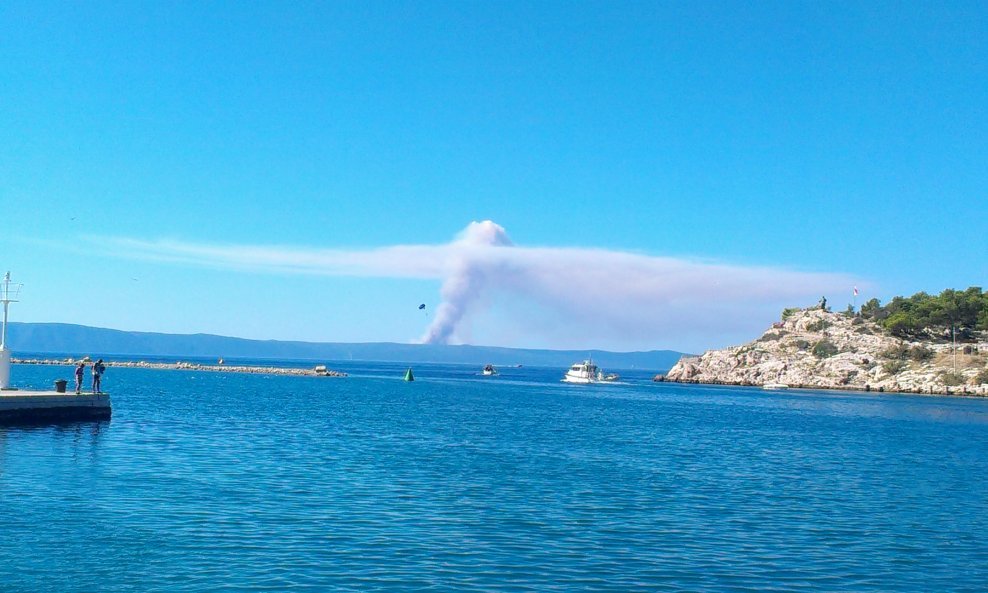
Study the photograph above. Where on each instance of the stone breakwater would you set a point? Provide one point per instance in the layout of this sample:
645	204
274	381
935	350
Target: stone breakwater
192	366
822	350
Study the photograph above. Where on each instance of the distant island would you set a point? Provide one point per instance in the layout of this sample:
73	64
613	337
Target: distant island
79	341
920	344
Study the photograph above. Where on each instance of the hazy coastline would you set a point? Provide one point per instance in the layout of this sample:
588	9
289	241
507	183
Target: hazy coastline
316	371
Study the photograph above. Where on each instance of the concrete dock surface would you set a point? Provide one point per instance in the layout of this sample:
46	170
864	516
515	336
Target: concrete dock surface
42	406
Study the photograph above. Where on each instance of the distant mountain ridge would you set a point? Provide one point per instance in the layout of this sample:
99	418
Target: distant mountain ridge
64	338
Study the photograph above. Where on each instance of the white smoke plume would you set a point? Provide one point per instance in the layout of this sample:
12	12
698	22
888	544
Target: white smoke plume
472	270
558	297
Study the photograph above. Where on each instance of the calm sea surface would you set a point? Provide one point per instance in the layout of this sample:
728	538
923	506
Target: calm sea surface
456	482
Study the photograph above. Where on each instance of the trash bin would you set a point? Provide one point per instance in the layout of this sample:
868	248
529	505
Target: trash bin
60	385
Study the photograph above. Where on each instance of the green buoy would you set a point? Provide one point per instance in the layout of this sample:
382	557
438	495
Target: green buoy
408	375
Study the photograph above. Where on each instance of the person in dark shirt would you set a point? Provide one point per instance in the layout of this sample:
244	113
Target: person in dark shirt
98	369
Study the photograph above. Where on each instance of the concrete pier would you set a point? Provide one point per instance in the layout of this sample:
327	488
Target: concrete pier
24	406
18	406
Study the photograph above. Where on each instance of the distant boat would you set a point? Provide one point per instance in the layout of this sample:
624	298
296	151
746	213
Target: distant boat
489	370
775	386
408	375
587	372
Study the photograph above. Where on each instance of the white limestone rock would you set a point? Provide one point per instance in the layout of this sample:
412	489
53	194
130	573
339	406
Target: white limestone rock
821	349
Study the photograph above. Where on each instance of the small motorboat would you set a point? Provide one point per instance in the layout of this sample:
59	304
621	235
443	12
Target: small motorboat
489	370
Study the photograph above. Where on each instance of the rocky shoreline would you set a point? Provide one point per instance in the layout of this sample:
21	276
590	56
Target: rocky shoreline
318	371
818	349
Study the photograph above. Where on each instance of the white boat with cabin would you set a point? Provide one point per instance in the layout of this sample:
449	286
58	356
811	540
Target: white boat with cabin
587	372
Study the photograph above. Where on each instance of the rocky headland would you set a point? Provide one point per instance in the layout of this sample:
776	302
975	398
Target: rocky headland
819	349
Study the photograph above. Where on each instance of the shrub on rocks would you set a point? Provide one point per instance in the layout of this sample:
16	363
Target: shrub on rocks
894	367
920	353
897	352
951	378
824	349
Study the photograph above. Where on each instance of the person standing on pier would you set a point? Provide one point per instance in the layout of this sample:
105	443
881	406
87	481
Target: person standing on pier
79	370
98	369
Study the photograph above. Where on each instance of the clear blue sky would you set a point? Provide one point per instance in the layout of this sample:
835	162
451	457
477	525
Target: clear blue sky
845	139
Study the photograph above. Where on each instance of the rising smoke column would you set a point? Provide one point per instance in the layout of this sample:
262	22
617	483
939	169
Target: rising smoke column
473	262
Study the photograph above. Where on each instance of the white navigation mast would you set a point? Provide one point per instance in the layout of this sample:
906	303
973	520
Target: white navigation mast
8	294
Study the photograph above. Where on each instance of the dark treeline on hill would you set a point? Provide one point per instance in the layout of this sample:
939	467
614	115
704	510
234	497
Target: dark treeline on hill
924	316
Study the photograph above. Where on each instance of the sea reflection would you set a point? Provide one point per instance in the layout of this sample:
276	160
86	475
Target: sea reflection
82	436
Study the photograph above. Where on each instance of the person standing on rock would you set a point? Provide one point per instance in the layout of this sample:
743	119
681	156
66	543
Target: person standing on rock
79	371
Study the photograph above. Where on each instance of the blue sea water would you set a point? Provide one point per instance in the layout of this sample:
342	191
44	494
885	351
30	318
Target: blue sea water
209	481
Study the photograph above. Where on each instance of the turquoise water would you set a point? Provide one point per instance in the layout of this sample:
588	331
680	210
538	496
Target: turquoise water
228	482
